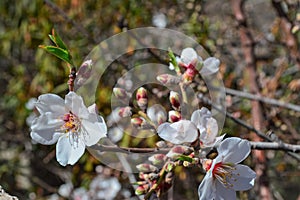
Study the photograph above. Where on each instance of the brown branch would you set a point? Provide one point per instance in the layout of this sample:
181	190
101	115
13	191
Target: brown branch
254	145
266	100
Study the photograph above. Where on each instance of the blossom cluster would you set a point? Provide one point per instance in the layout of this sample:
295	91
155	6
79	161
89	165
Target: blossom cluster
74	126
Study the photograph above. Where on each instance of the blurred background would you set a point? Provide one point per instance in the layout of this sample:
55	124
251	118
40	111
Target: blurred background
272	39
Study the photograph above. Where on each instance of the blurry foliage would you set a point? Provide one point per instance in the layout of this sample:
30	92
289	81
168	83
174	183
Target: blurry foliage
30	171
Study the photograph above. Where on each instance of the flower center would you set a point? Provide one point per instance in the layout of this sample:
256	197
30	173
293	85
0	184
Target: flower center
72	123
223	172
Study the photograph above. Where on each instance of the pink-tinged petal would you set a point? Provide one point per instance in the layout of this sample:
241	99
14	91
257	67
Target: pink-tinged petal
223	193
210	66
50	103
45	129
207	189
234	150
93	132
242	178
68	151
188	55
76	105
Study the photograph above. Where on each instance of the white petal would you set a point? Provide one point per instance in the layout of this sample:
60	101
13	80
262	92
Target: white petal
93	108
188	55
207	189
93	132
199	117
242	178
68	151
157	114
44	129
76	105
50	103
210	66
223	193
178	132
208	137
234	150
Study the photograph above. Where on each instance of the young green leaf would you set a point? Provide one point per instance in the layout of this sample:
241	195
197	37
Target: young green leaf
58	52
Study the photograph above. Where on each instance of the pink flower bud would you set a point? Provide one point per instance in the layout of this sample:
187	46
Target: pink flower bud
168	79
136	121
120	93
146	168
125	111
84	73
157	159
175	100
141	93
179	150
142	189
142	103
174	116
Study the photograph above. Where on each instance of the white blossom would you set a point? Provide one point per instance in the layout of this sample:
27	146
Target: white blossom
69	123
224	175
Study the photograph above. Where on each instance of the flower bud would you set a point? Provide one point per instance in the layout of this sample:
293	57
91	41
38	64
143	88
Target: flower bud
161	144
142	189
137	121
142	98
141	93
157	159
168	79
175	100
84	73
174	116
146	168
120	93
178	150
125	111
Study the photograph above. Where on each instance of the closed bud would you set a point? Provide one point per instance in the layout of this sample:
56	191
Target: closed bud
168	79
141	93
137	121
178	150
142	103
169	167
125	111
174	116
142	189
120	93
157	159
84	73
175	100
146	168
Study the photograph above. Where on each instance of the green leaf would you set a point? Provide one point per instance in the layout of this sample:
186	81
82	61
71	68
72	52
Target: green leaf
185	158
173	60
58	41
58	52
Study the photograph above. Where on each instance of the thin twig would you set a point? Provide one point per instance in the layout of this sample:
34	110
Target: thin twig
263	99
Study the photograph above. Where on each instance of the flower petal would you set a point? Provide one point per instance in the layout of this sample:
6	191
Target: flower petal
50	103
207	189
199	117
210	66
242	178
223	193
68	151
188	55
44	129
234	150
178	132
208	136
93	132
75	104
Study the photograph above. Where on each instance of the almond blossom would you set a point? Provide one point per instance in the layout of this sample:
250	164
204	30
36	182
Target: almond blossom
69	123
207	126
189	59
224	175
